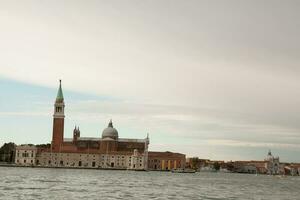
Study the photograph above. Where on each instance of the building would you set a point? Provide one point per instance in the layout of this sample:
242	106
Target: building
165	161
272	164
107	152
26	155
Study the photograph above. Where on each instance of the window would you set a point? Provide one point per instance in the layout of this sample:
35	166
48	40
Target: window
24	161
49	162
79	163
93	164
61	162
31	161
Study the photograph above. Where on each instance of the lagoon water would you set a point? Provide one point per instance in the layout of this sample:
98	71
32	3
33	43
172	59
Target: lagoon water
40	183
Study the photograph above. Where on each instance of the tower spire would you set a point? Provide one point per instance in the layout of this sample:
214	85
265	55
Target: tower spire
60	96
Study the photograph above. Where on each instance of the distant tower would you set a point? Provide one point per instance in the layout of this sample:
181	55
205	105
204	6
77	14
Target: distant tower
58	121
76	134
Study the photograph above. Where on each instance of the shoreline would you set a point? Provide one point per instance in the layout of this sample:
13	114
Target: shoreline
56	167
116	169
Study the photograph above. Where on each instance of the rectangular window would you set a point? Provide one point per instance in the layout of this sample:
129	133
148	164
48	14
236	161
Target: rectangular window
79	163
93	164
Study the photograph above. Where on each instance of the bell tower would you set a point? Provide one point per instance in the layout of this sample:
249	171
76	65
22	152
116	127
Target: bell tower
58	121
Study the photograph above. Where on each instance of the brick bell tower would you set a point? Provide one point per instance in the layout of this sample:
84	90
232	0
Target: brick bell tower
58	121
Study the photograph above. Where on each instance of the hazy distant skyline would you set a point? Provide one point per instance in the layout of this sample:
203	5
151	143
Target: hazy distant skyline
214	79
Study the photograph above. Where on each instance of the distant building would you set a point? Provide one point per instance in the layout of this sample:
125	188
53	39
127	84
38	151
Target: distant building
272	164
107	152
247	168
165	161
26	155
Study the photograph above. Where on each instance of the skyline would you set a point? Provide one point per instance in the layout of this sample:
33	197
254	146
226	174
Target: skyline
214	80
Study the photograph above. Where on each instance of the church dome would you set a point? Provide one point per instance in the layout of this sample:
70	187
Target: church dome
110	132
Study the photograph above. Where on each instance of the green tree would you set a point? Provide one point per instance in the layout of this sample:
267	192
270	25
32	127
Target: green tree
217	166
7	152
194	163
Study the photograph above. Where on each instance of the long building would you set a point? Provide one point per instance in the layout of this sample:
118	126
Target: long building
106	152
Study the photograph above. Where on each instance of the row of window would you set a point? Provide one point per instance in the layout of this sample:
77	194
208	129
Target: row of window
25	161
25	154
87	155
86	164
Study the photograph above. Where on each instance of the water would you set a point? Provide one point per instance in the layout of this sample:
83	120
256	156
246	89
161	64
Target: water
38	183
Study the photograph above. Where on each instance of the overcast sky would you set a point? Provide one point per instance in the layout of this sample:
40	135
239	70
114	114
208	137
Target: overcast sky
214	79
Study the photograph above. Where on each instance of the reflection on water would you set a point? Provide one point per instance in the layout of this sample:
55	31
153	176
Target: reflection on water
38	183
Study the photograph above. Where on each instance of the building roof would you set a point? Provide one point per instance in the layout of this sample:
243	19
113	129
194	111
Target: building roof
26	147
131	140
88	139
68	139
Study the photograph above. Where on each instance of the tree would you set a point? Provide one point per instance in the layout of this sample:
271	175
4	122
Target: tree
7	152
217	166
194	163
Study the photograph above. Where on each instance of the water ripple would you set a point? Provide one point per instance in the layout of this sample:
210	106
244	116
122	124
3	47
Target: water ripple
35	183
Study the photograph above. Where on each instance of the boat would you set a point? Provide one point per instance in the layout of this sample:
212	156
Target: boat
183	170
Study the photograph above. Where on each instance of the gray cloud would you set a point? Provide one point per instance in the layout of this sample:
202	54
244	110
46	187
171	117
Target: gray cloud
197	69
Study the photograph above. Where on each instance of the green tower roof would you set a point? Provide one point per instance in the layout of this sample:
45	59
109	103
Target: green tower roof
60	96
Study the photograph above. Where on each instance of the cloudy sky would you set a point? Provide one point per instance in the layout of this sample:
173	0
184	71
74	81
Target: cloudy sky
214	79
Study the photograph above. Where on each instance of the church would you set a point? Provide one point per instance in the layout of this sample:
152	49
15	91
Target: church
106	152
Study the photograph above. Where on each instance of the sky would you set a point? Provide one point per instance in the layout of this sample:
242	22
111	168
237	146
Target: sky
213	79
